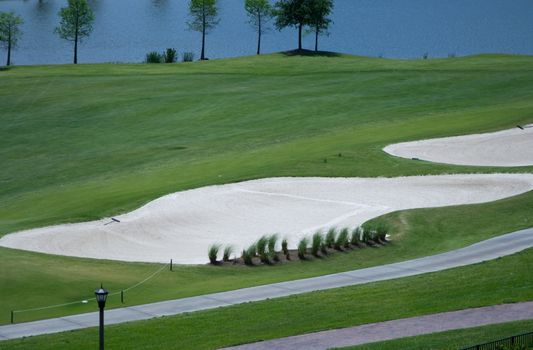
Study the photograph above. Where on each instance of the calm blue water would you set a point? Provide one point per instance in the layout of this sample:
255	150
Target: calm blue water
125	30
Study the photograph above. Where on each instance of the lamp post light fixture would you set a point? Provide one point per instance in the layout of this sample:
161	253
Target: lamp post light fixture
101	297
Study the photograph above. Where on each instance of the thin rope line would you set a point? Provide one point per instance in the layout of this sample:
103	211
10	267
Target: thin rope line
146	279
90	299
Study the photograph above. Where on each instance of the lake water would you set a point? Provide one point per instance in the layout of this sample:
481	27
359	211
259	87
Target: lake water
125	30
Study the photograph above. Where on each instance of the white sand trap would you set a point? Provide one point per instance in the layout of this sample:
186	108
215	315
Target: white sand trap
508	148
182	225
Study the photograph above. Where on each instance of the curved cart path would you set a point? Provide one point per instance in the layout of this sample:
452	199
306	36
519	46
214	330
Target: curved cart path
486	250
406	327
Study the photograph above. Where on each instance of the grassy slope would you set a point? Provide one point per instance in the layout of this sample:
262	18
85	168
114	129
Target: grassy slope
81	142
77	143
453	339
505	280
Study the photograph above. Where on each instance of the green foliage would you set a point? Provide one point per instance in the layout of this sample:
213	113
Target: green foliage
291	13
262	245
154	57
76	23
170	55
302	247
259	14
228	250
368	231
272	241
76	20
212	253
10	32
330	237
316	242
248	254
204	15
285	248
355	238
342	239
203	18
323	249
188	56
382	230
319	10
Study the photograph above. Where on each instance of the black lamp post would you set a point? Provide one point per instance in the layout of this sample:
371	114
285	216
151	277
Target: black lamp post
101	296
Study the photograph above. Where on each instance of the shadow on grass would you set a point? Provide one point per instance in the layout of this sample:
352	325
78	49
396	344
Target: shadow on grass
311	53
4	68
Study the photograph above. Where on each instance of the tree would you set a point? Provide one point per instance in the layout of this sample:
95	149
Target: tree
259	13
204	17
319	22
293	13
76	23
10	31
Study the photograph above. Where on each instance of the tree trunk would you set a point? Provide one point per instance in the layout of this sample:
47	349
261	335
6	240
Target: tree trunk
316	39
76	48
202	55
300	37
259	35
76	40
9	48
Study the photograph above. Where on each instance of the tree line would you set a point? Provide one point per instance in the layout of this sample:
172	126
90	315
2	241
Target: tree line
76	21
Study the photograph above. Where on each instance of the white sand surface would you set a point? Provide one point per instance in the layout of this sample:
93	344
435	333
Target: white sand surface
182	225
513	147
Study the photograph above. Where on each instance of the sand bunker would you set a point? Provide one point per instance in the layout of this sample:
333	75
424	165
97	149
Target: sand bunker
182	225
508	148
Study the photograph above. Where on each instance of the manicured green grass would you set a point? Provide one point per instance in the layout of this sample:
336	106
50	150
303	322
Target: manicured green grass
453	339
505	280
79	143
82	142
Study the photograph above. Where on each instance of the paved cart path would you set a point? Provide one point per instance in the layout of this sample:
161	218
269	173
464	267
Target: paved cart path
486	250
396	329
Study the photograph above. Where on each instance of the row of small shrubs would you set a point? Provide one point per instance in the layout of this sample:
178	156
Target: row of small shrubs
168	56
320	245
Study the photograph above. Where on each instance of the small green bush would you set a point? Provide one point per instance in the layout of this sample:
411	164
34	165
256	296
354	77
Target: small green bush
369	232
285	248
212	253
356	236
272	242
302	248
188	57
170	56
323	248
228	250
316	243
330	237
154	57
342	239
248	255
382	230
261	245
